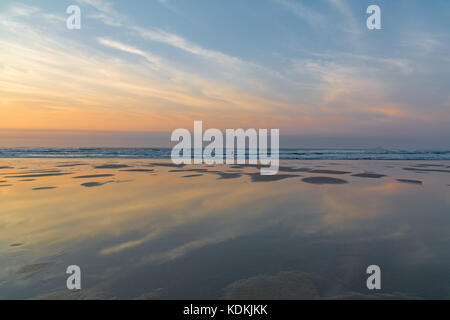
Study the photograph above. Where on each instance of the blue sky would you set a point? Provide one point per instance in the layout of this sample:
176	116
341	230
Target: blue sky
310	68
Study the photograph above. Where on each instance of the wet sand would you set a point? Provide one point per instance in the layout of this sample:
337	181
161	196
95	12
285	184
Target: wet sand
410	181
324	180
369	175
149	229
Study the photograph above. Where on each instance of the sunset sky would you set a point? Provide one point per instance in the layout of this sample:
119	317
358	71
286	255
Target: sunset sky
310	68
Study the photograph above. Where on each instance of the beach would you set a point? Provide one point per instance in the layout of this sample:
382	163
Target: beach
148	229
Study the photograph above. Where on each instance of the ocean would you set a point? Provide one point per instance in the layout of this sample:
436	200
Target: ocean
287	154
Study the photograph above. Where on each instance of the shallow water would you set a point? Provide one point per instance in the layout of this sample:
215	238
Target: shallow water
201	232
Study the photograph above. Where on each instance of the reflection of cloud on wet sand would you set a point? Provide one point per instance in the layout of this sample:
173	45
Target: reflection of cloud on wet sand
29	270
345	209
166	218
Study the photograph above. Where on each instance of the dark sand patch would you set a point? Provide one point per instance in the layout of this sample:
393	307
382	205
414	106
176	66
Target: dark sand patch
18	244
192	176
369	175
138	170
94	176
169	165
426	170
40	175
261	166
3	181
229	176
191	170
257	177
292	169
112	166
6	168
324	180
27	180
44	188
410	181
94	184
29	270
323	171
225	175
5	185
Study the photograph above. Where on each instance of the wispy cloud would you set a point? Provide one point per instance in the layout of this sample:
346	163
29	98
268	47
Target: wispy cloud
54	18
179	42
120	46
106	12
22	10
106	19
143	77
39	88
108	15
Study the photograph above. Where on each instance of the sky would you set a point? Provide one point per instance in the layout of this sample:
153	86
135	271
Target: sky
137	70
